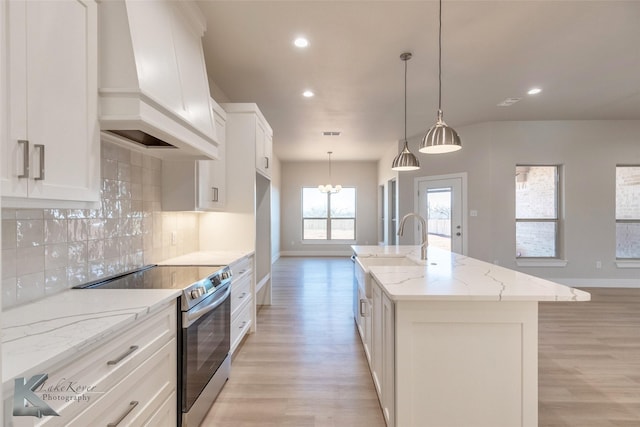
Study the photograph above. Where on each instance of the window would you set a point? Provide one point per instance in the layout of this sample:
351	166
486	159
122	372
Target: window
328	216
537	211
628	212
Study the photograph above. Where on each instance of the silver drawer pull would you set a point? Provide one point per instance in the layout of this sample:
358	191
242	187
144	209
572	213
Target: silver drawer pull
244	323
41	148
122	356
242	296
215	194
132	406
25	158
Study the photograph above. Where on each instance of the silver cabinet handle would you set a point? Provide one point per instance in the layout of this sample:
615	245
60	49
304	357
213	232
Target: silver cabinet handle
25	158
123	355
215	194
266	162
362	308
244	323
242	296
132	406
41	148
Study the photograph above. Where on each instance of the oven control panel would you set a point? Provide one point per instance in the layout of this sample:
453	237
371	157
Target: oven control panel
206	286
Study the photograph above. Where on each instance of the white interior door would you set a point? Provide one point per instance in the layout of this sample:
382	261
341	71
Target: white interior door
440	201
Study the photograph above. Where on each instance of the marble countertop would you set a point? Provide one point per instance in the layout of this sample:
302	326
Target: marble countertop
450	276
38	335
207	258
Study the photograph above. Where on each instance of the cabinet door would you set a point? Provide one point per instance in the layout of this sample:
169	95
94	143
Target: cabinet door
376	337
388	361
261	160
14	155
212	174
268	148
53	76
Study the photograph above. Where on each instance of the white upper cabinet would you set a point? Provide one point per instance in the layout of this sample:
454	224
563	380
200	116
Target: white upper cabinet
213	173
197	185
255	130
51	148
264	138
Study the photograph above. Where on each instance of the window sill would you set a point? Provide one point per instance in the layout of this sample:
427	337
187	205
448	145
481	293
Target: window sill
628	263
541	262
329	242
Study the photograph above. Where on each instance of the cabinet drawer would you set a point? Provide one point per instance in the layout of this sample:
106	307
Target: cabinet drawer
240	325
135	400
241	266
240	292
104	367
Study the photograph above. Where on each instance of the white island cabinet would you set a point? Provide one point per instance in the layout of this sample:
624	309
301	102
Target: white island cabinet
50	147
455	340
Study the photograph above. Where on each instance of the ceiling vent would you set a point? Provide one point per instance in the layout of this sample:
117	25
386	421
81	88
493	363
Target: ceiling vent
331	133
509	102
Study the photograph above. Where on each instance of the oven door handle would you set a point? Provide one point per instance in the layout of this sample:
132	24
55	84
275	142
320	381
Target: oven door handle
190	317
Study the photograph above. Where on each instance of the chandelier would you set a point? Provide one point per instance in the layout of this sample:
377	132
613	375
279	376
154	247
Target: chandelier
329	188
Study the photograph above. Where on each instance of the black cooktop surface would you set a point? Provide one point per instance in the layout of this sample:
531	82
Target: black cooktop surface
155	277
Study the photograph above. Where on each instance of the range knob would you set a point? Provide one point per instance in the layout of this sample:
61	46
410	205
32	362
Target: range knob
197	292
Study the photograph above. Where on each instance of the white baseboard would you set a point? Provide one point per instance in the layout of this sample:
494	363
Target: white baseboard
599	283
337	253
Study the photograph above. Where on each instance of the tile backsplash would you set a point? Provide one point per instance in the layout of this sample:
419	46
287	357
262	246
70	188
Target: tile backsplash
45	251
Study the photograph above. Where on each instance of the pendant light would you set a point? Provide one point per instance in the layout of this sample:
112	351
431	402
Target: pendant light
405	161
329	188
440	138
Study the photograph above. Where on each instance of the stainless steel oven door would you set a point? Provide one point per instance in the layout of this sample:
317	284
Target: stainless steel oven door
206	330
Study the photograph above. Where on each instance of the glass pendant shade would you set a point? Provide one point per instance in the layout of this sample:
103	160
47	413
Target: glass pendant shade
440	138
406	160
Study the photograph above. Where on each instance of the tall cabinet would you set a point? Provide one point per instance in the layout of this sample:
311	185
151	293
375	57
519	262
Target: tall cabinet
248	195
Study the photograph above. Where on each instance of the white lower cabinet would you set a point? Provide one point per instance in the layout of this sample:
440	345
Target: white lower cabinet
242	300
383	351
131	378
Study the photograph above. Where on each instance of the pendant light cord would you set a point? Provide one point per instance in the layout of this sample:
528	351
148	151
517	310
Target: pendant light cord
405	100
440	58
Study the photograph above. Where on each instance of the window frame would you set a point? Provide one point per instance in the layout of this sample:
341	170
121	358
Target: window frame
557	220
328	218
623	221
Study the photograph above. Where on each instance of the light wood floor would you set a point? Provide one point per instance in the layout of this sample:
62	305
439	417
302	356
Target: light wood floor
589	361
305	367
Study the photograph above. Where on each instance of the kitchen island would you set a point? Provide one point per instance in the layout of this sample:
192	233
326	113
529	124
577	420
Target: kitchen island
453	340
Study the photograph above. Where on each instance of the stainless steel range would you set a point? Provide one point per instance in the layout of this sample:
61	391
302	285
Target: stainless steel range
203	327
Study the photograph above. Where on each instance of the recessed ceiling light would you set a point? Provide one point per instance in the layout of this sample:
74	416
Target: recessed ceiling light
308	94
534	91
301	42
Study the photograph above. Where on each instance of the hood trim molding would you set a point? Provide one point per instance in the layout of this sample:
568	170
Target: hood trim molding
132	109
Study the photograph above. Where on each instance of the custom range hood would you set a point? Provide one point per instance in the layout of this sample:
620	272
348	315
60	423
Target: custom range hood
154	91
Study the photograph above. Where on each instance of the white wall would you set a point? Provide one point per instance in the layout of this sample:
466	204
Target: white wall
276	183
588	152
295	175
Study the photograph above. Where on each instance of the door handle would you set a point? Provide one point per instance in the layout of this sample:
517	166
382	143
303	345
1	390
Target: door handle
25	158
41	148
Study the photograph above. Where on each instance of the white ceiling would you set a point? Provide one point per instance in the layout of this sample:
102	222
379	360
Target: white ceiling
585	55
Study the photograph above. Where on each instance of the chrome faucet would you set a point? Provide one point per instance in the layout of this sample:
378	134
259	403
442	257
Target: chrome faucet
424	244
